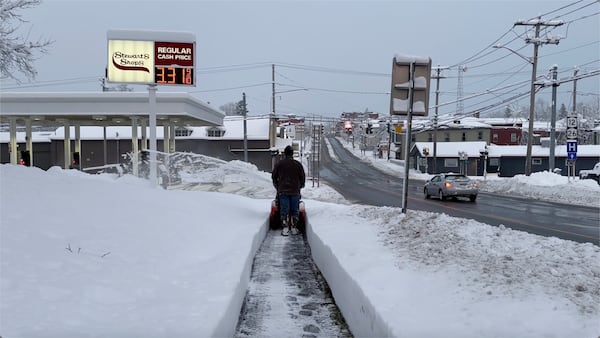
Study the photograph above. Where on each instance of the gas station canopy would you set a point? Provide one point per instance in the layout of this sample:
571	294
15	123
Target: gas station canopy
106	108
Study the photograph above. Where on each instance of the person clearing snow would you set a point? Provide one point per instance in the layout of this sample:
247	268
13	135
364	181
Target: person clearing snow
288	178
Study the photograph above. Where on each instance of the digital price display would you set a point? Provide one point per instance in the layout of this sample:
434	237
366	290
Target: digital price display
174	63
142	61
174	76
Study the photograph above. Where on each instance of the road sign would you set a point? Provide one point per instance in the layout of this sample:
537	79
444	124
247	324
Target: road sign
572	128
571	156
410	74
571	146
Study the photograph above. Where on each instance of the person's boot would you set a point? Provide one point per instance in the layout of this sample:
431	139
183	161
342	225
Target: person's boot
286	229
294	225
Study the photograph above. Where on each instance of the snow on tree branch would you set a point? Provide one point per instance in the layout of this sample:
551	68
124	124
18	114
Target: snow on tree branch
17	54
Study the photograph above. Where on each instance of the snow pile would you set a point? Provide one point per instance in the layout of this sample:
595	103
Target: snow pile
235	177
545	186
102	256
242	178
431	275
495	259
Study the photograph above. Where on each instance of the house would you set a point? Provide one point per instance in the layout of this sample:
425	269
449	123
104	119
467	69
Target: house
507	161
457	157
455	131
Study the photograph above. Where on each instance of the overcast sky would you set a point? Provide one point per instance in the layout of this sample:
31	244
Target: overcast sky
339	53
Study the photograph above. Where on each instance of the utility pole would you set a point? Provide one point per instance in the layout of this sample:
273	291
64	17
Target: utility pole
273	86
538	23
575	91
245	127
553	119
460	106
438	76
272	121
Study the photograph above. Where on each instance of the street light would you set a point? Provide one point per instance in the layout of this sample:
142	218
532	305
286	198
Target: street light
273	93
528	59
284	91
533	62
291	90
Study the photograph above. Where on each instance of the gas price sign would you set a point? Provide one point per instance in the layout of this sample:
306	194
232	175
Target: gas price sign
150	61
174	63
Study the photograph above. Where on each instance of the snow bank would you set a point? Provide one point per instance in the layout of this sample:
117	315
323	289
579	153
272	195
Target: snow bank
100	256
427	274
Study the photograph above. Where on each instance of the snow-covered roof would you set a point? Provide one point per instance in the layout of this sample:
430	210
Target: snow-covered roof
467	123
97	133
257	128
587	150
504	121
38	137
451	149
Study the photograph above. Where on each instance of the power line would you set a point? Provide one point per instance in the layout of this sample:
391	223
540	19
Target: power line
331	70
230	88
56	82
561	8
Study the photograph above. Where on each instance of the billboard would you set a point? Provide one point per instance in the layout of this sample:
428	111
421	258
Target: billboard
141	57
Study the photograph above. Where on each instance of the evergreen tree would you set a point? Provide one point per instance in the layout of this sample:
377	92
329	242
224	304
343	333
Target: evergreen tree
562	112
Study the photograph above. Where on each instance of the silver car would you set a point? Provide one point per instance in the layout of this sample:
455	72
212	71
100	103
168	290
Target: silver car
451	185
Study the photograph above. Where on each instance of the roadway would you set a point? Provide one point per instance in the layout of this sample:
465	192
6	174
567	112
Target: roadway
361	183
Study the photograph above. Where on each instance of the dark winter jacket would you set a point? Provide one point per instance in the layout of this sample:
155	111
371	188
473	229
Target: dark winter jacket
288	176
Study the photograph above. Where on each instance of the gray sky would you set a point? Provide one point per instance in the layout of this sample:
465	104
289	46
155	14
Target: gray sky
340	51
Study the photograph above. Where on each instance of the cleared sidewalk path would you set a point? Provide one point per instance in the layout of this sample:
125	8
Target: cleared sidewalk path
287	296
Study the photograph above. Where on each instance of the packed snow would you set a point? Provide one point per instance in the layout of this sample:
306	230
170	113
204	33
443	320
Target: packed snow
107	256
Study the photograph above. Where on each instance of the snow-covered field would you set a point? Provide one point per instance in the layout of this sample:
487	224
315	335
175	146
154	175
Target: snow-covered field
108	256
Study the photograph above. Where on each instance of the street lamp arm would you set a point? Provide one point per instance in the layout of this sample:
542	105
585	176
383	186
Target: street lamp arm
291	90
529	60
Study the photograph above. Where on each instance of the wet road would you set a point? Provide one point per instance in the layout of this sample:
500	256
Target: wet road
361	183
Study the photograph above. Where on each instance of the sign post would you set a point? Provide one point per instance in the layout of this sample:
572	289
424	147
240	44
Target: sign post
409	95
572	136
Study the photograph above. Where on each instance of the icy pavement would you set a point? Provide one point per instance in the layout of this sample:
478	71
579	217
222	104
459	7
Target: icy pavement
287	296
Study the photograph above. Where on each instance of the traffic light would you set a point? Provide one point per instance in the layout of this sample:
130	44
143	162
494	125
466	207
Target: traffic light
410	72
75	159
25	159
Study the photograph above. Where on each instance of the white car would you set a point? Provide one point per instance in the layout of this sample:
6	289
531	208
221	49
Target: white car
451	185
593	174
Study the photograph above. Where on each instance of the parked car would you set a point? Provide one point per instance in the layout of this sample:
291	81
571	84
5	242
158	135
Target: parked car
593	174
451	185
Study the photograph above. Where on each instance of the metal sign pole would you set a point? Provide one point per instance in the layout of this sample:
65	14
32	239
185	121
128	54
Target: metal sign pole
152	126
408	137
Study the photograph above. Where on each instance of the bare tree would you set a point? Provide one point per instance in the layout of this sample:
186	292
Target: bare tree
17	54
231	108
